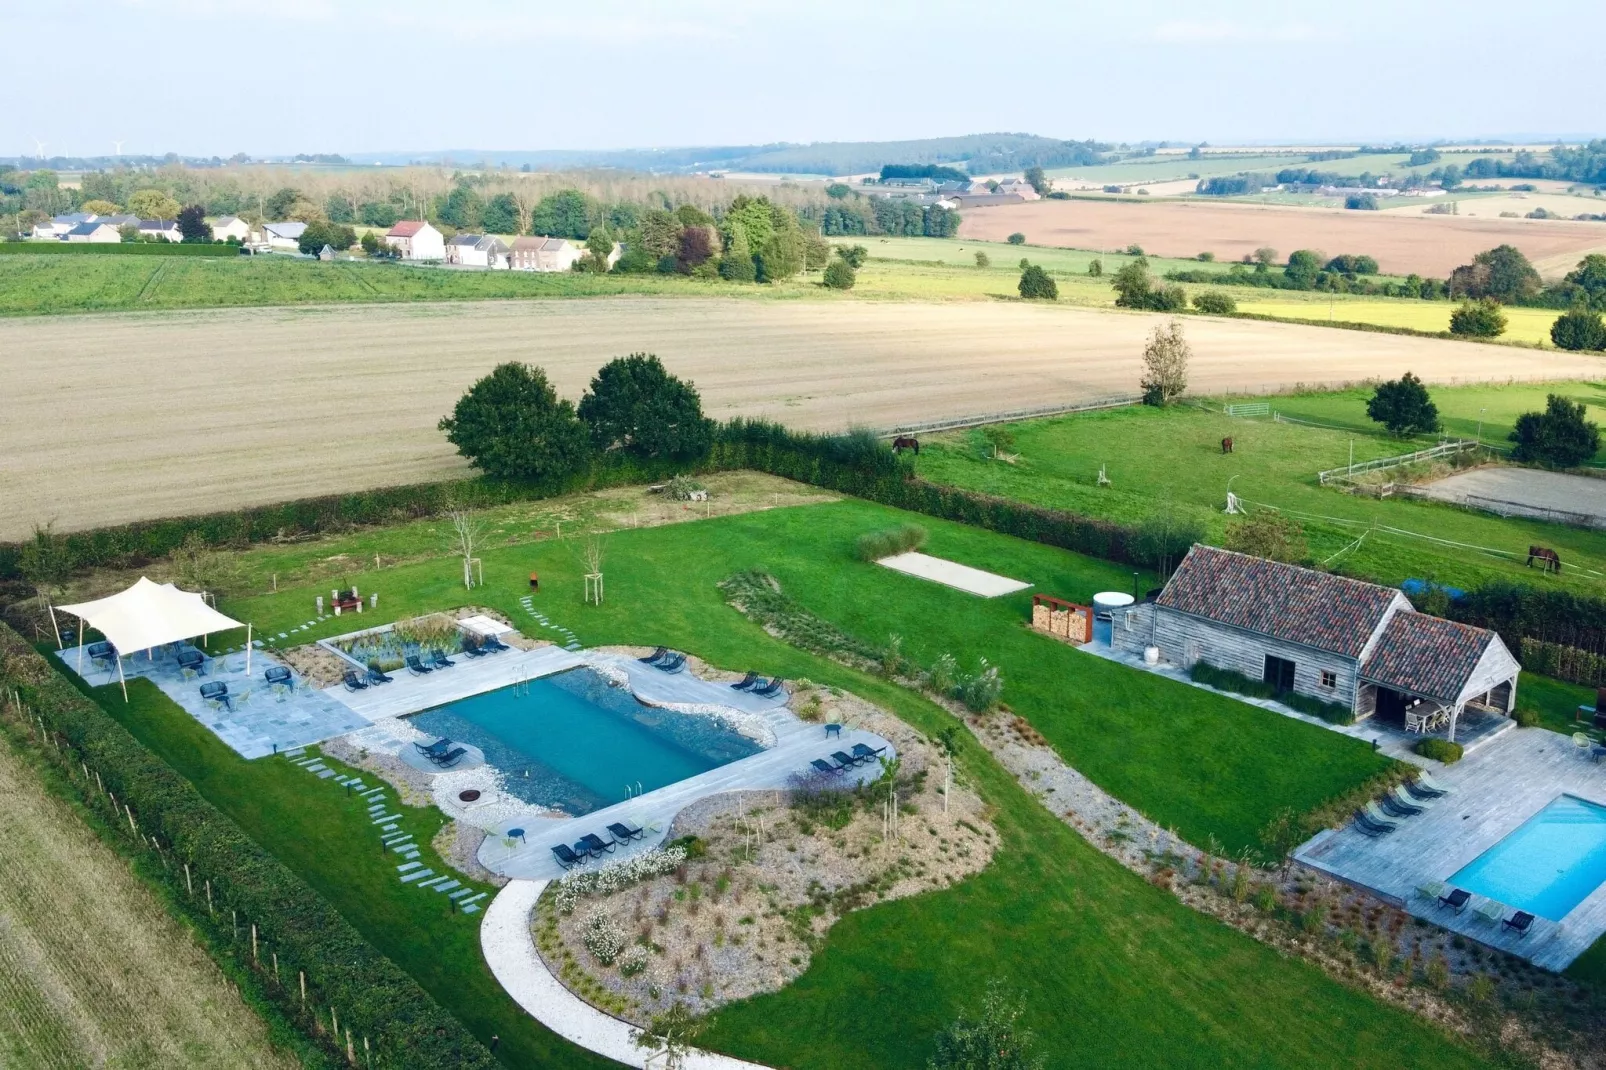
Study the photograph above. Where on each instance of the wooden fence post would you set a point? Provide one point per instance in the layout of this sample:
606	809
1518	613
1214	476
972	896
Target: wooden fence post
188	883
303	988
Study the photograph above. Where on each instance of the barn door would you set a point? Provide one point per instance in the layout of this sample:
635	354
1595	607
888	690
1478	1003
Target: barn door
1279	673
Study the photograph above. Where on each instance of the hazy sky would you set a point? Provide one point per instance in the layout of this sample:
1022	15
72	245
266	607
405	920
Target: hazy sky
280	76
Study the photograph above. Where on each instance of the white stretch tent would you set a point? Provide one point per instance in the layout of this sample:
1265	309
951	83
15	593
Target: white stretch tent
149	615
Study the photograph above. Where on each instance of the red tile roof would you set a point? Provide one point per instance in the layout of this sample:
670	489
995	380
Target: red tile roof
406	228
1297	605
1426	655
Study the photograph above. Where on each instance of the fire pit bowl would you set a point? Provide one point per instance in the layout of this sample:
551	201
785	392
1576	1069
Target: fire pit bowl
468	794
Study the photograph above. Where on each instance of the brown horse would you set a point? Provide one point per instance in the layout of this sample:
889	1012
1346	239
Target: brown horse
1549	558
903	442
1226	444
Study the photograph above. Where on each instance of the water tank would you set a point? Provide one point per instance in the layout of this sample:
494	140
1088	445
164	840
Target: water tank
1106	602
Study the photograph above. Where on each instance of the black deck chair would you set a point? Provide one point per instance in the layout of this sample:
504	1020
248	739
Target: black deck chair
471	647
439	747
416	667
1419	790
746	682
867	753
1370	827
376	675
621	833
596	844
657	655
567	858
845	759
1458	898
826	767
1522	921
439	660
1396	808
278	674
493	644
770	689
672	664
450	758
355	682
218	691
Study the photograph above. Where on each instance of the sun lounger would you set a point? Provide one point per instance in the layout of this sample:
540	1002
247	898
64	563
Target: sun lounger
844	759
416	667
1432	889
493	645
596	844
1425	779
450	758
376	675
355	682
622	833
1490	910
566	857
672	664
217	691
1521	921
278	674
1395	807
825	767
440	746
746	682
656	656
868	753
472	648
1457	898
439	660
771	689
1368	827
1378	817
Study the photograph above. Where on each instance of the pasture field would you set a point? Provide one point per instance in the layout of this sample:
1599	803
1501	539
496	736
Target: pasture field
1170	168
1490	205
1529	325
1170	461
1488	412
1426	245
110	418
93	971
1114	971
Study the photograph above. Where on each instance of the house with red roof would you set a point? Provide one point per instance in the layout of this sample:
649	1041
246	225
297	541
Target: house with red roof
415	239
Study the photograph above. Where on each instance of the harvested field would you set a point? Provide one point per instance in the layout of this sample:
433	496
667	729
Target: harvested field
107	418
92	971
1427	245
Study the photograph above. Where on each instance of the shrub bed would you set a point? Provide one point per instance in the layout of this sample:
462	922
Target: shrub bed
1563	662
1440	750
376	1001
1231	680
874	545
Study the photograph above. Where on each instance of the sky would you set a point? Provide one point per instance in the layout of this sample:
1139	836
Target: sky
271	77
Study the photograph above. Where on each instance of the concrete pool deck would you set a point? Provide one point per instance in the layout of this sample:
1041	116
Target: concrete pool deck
1496	789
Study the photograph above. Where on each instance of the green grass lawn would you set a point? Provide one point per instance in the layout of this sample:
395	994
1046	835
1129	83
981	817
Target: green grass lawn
1113	971
1171	459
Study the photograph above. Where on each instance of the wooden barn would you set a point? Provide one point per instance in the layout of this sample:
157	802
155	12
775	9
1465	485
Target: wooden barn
1340	640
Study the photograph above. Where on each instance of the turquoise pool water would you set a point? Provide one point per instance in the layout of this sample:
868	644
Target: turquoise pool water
1548	864
574	742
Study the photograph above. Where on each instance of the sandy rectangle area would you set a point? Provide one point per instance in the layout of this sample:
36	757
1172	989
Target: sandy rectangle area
1525	492
952	574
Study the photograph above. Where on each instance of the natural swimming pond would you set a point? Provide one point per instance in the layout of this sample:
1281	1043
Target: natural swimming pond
575	742
1548	864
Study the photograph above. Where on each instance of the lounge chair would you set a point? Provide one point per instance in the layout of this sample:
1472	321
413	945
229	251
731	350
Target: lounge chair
190	658
376	675
278	674
672	664
355	682
1457	898
439	660
868	753
621	833
843	759
596	844
746	682
471	647
417	667
218	691
1432	889
1425	779
656	656
1396	807
450	758
1522	921
1377	815
435	749
493	645
825	767
1369	827
566	857
771	689
1491	910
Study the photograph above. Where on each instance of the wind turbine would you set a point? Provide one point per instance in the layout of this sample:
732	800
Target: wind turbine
119	146
39	148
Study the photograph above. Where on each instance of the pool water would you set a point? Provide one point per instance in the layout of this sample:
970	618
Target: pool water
1548	864
575	742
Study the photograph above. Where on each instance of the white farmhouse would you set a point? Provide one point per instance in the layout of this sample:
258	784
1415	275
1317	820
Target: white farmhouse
415	239
283	235
60	225
160	228
477	250
97	231
231	226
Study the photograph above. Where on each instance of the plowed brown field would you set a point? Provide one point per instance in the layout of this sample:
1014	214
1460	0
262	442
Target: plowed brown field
1402	243
117	417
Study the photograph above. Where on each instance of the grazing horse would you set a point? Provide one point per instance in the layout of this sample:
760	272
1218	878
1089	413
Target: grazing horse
1226	444
903	442
1549	558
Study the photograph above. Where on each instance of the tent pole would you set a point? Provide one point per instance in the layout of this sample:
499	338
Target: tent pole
54	626
248	648
81	644
120	678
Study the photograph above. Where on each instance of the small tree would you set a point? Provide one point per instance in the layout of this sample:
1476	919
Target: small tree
1035	284
839	275
1559	437
1132	284
512	425
1580	328
1095	267
990	1039
1478	319
1404	407
669	1036
1017	238
634	404
467	532
1269	535
1215	303
855	255
1165	364
192	225
982	259
1038	181
43	561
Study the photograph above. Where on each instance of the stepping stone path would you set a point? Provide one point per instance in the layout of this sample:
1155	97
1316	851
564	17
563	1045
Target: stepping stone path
572	643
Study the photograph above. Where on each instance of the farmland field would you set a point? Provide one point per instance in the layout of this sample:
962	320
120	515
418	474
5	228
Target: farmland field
93	972
109	418
1427	245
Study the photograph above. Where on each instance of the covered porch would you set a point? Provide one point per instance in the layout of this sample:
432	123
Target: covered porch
1467	721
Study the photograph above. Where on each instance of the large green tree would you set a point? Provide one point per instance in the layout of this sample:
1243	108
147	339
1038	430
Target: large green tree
501	215
192	225
1302	268
1478	319
1580	328
512	425
660	233
1501	273
635	405
1559	437
1404	406
568	213
274	208
155	204
1037	284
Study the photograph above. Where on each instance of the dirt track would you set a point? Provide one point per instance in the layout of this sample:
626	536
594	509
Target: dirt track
1402	243
111	418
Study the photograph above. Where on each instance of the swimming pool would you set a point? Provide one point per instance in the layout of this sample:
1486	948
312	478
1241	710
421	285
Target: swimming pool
574	742
1548	864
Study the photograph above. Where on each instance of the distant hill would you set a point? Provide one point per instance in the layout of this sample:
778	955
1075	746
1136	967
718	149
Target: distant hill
978	153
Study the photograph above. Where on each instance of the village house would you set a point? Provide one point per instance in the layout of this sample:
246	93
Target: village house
284	235
98	231
415	239
58	226
231	226
163	229
544	254
477	250
1355	644
122	220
